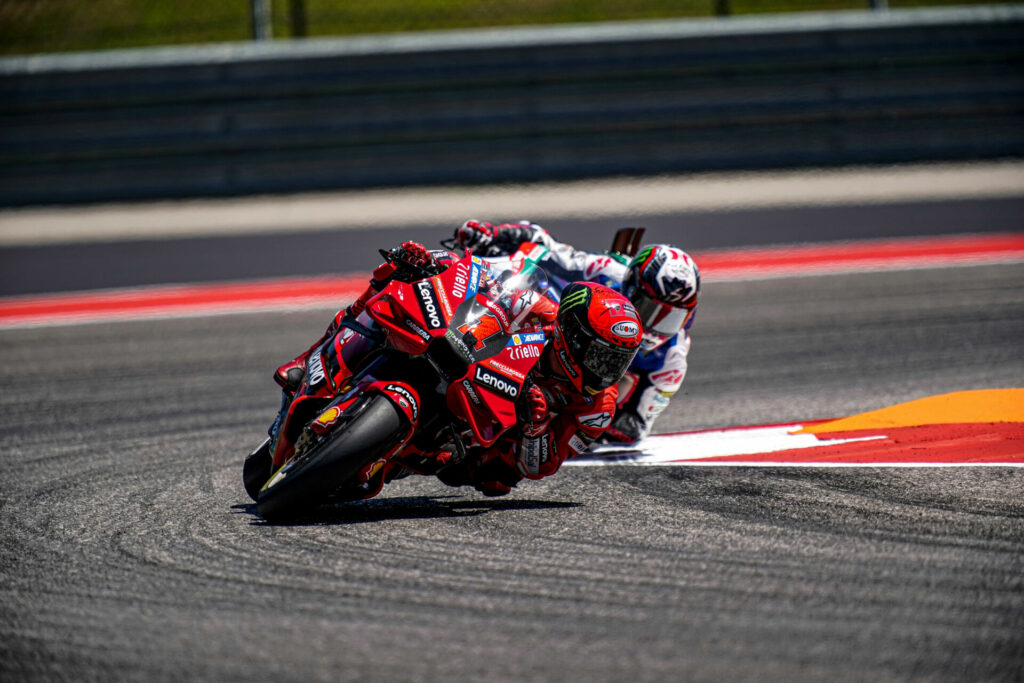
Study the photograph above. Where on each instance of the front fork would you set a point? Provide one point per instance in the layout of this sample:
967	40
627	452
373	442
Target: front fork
329	366
371	478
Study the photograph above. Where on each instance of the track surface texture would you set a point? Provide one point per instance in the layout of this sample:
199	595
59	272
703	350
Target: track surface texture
129	550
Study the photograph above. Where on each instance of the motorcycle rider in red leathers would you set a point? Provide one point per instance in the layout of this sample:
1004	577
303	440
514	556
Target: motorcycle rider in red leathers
662	282
567	402
571	400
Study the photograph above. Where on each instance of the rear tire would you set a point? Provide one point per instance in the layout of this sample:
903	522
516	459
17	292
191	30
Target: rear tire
374	425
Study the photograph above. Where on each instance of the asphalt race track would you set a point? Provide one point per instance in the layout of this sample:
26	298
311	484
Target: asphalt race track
35	269
129	550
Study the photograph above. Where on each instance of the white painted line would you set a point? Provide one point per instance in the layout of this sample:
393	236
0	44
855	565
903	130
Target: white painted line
777	464
664	448
693	449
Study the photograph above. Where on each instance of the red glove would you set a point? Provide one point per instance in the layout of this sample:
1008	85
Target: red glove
508	236
474	234
414	253
533	412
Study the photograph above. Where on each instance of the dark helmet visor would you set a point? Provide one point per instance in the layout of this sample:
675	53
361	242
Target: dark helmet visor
603	364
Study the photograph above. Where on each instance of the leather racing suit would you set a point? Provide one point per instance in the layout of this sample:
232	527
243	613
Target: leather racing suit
536	449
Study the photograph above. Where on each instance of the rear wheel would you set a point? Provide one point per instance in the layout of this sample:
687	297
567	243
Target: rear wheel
373	425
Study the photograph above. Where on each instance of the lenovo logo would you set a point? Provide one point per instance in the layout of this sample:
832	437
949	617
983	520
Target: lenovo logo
496	383
428	305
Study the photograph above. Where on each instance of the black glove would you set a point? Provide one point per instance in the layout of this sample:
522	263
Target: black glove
508	236
492	478
627	427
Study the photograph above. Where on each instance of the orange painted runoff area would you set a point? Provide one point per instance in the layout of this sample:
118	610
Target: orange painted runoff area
962	407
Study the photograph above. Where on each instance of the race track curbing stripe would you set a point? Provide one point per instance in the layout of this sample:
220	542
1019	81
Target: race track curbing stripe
334	292
969	428
962	407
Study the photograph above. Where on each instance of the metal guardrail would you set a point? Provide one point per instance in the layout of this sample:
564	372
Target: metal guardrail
515	104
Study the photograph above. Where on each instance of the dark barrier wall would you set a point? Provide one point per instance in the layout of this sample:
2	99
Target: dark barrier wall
521	105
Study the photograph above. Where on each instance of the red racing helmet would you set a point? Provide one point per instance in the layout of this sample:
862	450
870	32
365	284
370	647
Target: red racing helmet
663	283
597	334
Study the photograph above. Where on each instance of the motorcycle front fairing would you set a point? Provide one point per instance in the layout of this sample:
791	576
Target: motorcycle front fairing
459	320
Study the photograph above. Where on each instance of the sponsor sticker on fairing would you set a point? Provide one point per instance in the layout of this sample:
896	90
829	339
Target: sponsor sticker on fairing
423	334
504	368
498	313
428	305
473	396
326	419
463	275
459	345
407	395
442	296
474	277
315	368
529	338
524	351
499	384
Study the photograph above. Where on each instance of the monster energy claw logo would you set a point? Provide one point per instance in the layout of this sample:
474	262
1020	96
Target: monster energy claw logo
574	299
642	256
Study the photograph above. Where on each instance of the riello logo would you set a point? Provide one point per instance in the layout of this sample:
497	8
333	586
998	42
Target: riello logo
461	280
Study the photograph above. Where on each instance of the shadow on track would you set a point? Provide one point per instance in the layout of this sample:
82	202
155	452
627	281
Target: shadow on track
410	507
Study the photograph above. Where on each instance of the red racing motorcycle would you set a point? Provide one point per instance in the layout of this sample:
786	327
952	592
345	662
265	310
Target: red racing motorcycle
448	357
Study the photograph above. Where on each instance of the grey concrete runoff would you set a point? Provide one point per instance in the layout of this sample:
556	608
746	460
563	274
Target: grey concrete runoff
419	207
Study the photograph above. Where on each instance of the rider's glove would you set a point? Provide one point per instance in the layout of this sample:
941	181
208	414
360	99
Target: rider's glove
413	261
508	236
474	234
627	427
414	253
533	412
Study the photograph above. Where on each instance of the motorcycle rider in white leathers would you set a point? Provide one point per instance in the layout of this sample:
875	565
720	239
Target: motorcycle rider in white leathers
662	282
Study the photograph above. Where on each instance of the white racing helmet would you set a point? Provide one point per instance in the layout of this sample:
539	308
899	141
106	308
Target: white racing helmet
662	283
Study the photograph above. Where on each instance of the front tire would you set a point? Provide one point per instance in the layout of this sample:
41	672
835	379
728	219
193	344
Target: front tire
256	469
373	426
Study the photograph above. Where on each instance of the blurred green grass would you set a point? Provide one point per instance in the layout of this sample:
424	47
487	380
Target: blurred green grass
33	26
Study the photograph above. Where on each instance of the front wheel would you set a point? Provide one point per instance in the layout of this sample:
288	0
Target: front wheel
256	469
373	426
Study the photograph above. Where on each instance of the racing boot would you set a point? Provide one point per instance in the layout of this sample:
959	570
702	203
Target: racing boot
290	375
